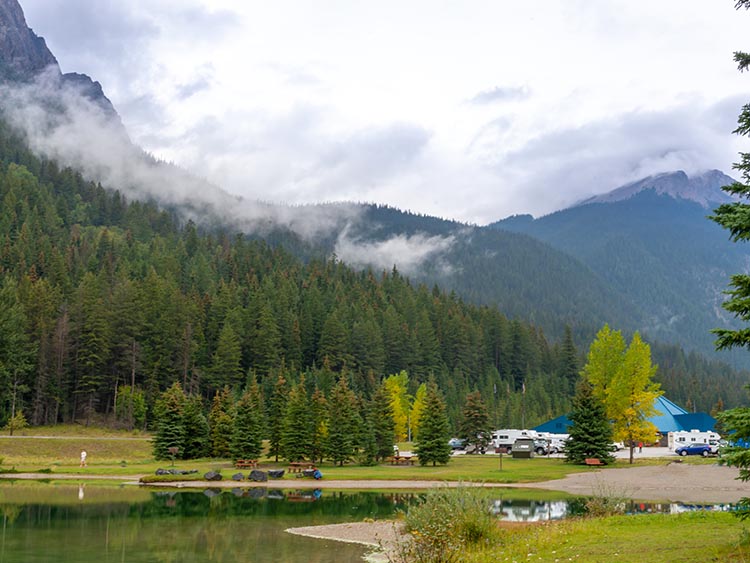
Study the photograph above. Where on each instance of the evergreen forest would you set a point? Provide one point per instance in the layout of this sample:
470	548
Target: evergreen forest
106	303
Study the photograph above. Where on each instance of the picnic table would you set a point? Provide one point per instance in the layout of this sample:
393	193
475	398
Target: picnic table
246	464
402	460
300	466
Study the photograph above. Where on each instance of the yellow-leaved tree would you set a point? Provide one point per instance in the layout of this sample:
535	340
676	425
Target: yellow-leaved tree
622	379
397	386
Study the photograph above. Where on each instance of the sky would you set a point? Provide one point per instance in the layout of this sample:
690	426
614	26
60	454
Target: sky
472	110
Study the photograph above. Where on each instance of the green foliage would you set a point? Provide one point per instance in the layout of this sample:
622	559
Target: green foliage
621	378
16	422
591	432
297	433
195	428
220	424
445	524
380	422
276	414
247	435
130	408
475	424
343	423
170	432
434	431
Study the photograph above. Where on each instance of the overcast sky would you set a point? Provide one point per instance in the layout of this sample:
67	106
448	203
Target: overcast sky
470	110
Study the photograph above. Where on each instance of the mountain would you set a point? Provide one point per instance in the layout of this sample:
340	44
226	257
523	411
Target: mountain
704	188
652	241
25	58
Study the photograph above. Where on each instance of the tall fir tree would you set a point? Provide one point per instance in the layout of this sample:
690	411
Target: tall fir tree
297	432
591	432
475	422
276	414
170	432
434	429
380	421
195	428
343	429
247	431
221	424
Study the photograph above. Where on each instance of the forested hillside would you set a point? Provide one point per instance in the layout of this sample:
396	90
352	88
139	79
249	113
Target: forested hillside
656	250
103	299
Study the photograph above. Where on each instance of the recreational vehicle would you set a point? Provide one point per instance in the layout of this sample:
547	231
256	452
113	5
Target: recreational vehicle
685	438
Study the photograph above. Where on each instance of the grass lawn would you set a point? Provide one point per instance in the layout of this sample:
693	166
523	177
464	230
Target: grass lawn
695	537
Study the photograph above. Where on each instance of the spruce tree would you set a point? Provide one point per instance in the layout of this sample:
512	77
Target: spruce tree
343	428
380	422
319	421
434	429
195	427
170	432
247	433
591	433
475	423
220	423
297	432
276	412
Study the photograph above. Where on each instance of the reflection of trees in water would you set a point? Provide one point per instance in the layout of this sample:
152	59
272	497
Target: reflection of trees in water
538	511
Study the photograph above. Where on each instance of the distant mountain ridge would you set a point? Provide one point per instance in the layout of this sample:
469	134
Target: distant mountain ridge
703	188
653	242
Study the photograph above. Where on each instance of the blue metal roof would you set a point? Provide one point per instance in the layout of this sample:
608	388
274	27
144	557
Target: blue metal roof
669	418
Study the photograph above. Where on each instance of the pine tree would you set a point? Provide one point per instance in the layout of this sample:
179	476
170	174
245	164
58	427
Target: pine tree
247	433
220	423
380	421
591	432
434	429
343	426
319	412
170	432
195	427
297	432
276	414
475	423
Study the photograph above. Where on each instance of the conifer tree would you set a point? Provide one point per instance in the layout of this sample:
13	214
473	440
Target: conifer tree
380	421
319	422
591	432
221	424
247	432
343	426
297	432
276	415
170	432
434	430
195	428
475	423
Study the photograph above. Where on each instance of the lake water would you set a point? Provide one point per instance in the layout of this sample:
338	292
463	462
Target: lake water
89	523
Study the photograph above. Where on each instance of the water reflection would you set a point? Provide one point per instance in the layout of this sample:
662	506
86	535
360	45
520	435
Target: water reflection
539	511
101	524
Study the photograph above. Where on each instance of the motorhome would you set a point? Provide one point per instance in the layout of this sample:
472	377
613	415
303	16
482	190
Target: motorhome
684	438
503	439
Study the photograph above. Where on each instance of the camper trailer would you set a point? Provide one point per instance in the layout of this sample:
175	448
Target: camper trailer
685	438
503	440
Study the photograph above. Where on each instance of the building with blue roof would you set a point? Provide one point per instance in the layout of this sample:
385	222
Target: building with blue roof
669	418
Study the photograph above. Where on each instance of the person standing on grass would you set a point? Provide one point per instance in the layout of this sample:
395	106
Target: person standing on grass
83	458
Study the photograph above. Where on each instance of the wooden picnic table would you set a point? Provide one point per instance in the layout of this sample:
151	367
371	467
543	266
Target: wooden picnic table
300	466
402	460
246	464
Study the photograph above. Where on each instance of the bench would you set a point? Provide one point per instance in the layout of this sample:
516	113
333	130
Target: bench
592	461
401	459
246	464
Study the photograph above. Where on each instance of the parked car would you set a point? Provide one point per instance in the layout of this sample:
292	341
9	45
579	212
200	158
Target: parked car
694	449
457	443
541	446
617	446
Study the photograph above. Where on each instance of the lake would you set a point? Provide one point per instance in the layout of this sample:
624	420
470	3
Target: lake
92	523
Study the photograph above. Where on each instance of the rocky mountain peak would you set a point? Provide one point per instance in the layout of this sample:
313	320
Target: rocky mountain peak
23	54
703	188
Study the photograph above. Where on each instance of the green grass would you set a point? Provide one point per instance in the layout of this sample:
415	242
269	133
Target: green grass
696	537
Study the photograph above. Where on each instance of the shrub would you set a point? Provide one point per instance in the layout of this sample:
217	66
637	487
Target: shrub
443	524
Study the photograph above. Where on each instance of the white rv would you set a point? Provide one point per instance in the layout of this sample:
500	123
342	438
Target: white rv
685	438
504	439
